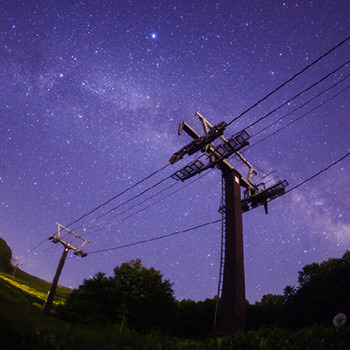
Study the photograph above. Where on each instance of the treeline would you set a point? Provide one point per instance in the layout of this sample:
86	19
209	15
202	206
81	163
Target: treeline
136	309
139	298
322	292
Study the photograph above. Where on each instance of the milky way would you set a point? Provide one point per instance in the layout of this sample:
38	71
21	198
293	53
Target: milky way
91	96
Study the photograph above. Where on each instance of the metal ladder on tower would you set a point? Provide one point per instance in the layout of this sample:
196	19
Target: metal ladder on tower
222	252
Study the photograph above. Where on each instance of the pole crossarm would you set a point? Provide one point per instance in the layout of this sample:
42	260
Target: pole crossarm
216	155
206	126
191	169
199	143
264	196
59	239
67	246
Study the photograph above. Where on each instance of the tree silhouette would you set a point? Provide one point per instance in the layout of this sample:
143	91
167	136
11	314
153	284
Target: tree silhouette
134	294
5	257
322	292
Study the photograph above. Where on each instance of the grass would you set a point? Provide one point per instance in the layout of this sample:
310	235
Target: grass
39	284
35	286
30	290
23	325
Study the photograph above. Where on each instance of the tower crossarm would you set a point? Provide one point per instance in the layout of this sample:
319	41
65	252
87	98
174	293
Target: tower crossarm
59	239
200	142
207	126
217	155
264	196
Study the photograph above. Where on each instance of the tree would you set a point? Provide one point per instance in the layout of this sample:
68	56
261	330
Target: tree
322	292
269	311
134	294
146	299
5	257
194	319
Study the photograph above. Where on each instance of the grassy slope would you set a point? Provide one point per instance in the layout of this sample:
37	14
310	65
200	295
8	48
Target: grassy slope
39	292
23	325
23	280
38	284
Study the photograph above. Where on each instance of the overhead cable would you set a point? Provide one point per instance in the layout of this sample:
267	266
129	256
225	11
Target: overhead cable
150	205
301	106
38	245
318	173
300	117
216	221
118	195
289	80
136	205
130	199
108	201
297	95
154	238
168	196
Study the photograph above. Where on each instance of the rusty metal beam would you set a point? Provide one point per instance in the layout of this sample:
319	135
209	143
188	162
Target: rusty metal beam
190	131
232	308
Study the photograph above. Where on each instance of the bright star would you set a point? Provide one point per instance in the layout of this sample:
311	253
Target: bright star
154	35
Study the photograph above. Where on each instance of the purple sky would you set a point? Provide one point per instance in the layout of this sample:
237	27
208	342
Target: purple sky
91	96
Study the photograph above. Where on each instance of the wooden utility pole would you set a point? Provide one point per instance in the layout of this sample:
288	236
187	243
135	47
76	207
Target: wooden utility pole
52	291
231	311
67	246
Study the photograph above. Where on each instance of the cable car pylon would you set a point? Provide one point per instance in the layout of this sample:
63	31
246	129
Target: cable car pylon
59	238
230	313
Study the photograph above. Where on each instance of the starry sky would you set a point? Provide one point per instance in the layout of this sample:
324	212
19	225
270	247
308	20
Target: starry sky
91	96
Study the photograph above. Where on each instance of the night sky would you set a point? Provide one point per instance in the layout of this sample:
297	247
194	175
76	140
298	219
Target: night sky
91	96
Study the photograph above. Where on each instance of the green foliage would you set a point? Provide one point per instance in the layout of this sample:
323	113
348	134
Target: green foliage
269	311
5	257
308	272
312	338
145	300
137	296
272	299
194	319
23	325
134	294
112	307
322	293
40	286
288	293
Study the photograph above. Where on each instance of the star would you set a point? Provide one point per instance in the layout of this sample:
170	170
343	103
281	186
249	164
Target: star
91	103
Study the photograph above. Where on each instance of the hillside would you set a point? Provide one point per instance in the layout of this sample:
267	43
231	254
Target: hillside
25	281
23	325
